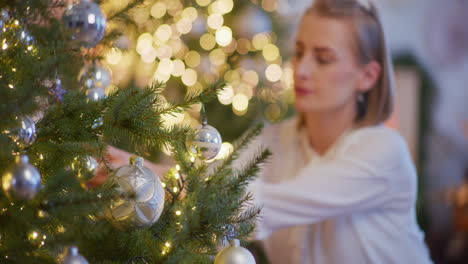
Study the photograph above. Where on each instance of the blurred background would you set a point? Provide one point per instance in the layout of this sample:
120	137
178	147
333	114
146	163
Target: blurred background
190	44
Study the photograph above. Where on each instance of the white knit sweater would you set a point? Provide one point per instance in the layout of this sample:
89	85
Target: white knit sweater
353	205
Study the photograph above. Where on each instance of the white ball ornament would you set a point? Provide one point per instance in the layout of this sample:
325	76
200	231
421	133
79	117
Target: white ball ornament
234	254
145	191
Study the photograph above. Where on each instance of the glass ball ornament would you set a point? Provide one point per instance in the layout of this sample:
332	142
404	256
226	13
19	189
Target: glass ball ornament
207	142
234	254
95	76
22	181
4	17
86	22
86	167
74	257
147	203
96	94
26	132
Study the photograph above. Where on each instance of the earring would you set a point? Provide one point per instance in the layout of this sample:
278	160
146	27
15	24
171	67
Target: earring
361	105
360	98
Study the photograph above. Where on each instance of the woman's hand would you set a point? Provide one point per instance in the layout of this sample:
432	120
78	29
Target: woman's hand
117	158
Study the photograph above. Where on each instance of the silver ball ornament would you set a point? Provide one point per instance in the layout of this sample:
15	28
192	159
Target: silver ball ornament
95	76
206	143
234	254
147	203
26	132
23	181
74	257
86	22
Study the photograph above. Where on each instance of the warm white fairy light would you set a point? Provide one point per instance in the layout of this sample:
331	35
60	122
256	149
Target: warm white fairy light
178	212
177	167
34	235
175	189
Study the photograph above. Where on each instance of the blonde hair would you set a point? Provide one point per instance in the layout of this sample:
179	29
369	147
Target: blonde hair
378	102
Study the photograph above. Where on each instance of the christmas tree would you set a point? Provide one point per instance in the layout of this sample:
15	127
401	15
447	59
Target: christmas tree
57	121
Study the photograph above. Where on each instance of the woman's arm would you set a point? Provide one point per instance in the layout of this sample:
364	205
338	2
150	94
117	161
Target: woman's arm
358	179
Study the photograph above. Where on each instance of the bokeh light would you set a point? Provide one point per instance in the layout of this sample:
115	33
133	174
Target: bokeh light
223	36
240	102
192	59
179	68
189	77
260	40
226	95
273	73
163	32
158	10
203	2
114	56
270	52
207	41
215	21
217	57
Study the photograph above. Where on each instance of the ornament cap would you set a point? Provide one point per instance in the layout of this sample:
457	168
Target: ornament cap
235	243
22	159
136	161
73	251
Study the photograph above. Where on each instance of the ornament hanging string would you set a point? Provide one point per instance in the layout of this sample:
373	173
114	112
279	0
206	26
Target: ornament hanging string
203	116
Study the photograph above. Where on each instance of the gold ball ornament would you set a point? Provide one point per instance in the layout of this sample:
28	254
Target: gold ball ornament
145	191
234	254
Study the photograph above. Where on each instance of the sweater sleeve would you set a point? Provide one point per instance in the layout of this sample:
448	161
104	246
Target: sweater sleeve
356	180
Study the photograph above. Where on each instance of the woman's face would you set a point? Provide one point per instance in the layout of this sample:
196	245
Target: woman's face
326	72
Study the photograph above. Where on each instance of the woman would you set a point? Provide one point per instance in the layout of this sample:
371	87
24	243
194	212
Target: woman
340	187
